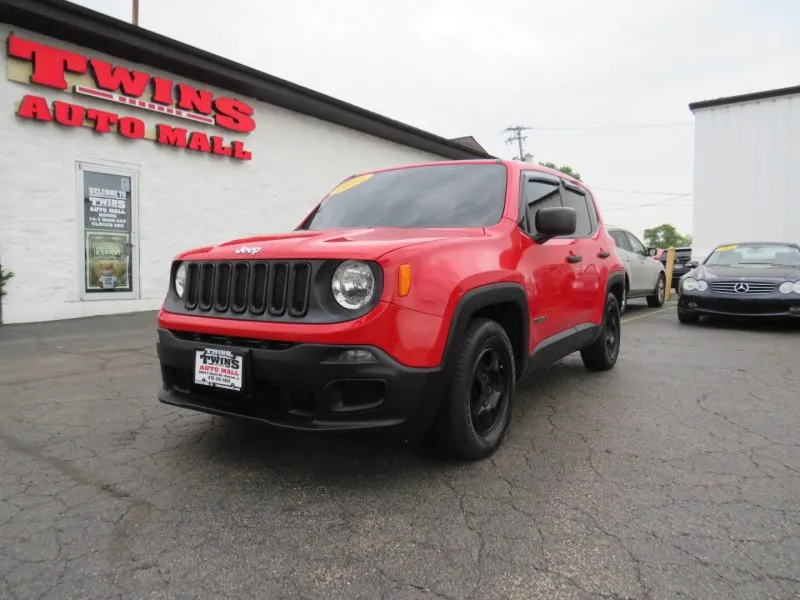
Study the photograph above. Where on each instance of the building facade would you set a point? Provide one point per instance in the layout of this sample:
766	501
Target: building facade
747	149
121	148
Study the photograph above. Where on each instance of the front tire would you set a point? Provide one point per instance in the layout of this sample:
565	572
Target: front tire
656	300
477	409
602	354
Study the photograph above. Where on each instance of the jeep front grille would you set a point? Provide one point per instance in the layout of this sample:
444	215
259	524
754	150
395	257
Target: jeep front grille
255	287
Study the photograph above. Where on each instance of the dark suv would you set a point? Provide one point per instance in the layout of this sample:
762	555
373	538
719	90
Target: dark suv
679	269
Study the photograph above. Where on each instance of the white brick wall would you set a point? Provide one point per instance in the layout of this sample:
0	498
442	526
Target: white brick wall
187	199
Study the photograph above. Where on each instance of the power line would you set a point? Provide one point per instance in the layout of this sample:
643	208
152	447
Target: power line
658	203
636	192
595	127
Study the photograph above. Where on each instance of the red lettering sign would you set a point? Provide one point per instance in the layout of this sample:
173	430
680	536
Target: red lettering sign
115	83
73	115
49	64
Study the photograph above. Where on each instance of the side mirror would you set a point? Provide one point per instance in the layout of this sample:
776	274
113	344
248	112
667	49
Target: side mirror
554	221
692	264
652	251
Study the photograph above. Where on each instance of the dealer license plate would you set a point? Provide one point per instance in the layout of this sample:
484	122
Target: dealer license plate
219	368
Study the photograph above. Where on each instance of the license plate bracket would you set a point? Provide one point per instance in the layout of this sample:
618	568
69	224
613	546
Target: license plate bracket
220	368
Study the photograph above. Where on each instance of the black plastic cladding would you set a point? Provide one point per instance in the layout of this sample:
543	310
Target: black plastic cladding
265	290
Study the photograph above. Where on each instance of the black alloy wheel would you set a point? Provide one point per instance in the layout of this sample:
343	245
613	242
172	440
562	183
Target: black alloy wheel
611	331
602	354
489	391
476	412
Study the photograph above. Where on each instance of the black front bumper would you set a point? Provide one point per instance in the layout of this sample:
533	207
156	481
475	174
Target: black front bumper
744	307
303	386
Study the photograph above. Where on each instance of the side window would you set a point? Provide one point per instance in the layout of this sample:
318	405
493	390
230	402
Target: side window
636	245
621	240
583	225
539	194
593	219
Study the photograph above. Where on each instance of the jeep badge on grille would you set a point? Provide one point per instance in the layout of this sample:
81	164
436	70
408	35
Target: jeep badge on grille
246	250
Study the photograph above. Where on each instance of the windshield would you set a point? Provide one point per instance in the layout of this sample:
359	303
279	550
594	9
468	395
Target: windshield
468	195
778	255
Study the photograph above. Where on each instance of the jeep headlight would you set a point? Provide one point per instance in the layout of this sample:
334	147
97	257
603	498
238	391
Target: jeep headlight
353	284
180	280
689	284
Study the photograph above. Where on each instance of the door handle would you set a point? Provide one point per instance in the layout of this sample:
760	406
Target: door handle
603	254
574	258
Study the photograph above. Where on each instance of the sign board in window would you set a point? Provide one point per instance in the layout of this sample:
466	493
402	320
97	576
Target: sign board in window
108	237
107	223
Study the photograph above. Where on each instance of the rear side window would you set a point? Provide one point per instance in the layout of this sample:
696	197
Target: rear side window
593	219
583	226
636	245
621	240
538	195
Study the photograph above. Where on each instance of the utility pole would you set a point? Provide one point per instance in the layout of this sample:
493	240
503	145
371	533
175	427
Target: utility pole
135	19
516	136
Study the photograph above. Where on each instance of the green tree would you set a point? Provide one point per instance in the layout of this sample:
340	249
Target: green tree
666	236
4	277
563	168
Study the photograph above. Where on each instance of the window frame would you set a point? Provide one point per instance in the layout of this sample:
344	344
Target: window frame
621	232
531	176
631	239
83	165
579	191
562	184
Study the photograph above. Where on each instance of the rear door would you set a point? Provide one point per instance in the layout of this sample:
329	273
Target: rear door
585	253
624	250
645	269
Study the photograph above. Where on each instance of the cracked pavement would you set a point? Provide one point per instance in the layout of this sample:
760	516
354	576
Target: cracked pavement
674	476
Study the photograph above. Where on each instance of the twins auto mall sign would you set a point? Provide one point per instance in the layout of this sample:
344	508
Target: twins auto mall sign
39	64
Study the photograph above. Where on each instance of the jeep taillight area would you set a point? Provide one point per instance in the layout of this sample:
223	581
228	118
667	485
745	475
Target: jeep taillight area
410	301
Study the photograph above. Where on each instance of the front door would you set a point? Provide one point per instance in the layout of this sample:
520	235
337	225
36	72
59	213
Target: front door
546	265
108	214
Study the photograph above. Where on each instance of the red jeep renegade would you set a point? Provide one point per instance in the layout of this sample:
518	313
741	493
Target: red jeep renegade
410	300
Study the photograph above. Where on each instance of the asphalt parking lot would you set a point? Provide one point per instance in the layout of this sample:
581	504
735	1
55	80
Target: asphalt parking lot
676	475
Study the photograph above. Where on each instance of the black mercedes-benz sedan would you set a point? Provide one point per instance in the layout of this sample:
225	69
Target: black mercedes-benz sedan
748	280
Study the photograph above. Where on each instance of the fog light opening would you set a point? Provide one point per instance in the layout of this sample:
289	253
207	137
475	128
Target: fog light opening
357	356
794	309
692	304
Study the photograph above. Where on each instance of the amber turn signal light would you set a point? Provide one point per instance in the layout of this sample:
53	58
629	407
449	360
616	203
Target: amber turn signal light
404	280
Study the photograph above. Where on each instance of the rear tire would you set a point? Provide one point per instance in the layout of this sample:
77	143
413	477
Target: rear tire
602	354
688	318
623	305
656	300
476	411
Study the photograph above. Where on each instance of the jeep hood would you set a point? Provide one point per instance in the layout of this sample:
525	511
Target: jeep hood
357	244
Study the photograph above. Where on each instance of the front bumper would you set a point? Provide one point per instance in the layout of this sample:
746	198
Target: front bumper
303	386
764	307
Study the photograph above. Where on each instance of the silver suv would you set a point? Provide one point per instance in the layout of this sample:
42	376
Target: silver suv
644	275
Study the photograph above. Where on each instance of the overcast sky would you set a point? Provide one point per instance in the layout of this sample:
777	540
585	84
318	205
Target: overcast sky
470	67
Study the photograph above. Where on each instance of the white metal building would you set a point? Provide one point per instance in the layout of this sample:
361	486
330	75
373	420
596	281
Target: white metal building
120	147
746	175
